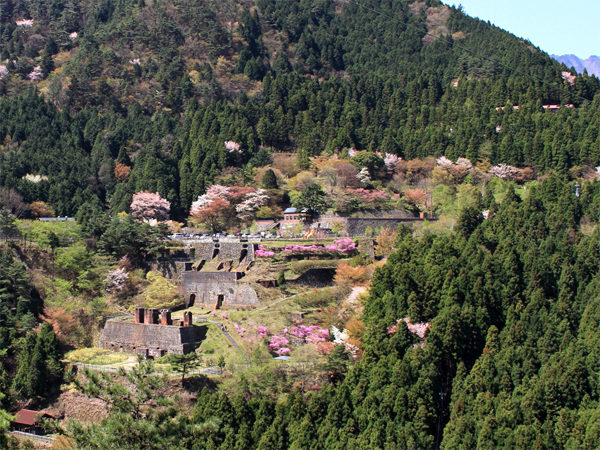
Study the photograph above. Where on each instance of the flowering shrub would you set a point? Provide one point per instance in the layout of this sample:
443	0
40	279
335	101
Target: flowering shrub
262	252
293	248
341	245
240	330
391	161
279	342
252	201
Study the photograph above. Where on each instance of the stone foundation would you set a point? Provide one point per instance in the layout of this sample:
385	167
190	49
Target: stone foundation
152	340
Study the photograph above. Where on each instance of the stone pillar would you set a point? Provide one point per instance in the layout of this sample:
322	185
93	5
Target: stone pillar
187	319
165	317
151	315
138	316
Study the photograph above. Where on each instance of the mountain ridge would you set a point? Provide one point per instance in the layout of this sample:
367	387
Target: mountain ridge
591	64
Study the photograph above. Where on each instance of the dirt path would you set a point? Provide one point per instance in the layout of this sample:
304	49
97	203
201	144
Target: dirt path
355	293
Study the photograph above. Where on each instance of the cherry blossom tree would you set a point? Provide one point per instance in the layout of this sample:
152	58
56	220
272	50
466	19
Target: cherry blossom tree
252	202
391	161
117	281
147	206
214	215
233	147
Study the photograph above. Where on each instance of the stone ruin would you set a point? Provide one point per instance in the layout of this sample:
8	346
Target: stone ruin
151	337
217	290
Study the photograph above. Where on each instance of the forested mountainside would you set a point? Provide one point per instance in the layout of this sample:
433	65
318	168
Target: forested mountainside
511	358
159	86
104	99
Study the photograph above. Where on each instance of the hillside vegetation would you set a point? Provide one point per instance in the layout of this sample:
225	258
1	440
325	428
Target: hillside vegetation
160	86
478	329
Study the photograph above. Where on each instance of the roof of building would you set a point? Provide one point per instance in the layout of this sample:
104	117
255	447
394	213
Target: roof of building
295	210
29	417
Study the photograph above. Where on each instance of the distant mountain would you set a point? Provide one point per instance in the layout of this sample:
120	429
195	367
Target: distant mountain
592	64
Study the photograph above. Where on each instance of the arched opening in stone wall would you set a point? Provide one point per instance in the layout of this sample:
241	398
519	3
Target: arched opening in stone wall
215	252
220	299
243	254
192	300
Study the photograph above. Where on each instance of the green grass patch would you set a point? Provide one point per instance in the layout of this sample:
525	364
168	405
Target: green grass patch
96	356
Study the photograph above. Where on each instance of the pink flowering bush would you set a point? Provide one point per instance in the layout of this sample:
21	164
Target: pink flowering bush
240	330
262	252
279	343
341	245
312	333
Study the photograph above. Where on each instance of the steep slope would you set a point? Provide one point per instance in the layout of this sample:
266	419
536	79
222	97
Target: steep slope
157	87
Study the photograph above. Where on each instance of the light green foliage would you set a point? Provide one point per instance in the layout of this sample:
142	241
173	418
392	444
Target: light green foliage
443	197
5	420
467	195
73	260
160	293
40	232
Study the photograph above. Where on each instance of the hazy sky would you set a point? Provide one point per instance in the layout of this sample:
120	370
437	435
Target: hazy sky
556	26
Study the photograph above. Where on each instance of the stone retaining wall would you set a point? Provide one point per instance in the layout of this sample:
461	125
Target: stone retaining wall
150	339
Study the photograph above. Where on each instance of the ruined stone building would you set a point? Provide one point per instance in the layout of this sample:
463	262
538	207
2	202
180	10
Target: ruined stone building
151	338
217	290
210	273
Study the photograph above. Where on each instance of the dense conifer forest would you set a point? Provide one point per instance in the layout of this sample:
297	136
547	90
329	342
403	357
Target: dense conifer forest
103	99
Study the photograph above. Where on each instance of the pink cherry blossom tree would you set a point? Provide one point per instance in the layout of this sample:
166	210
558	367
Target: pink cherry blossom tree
147	206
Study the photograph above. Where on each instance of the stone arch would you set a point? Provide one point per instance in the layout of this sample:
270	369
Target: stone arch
192	300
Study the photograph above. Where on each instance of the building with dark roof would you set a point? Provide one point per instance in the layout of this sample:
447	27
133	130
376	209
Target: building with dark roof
28	421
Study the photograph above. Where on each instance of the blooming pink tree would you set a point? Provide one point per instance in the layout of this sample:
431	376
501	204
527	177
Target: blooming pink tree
147	206
215	192
233	147
252	202
391	161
